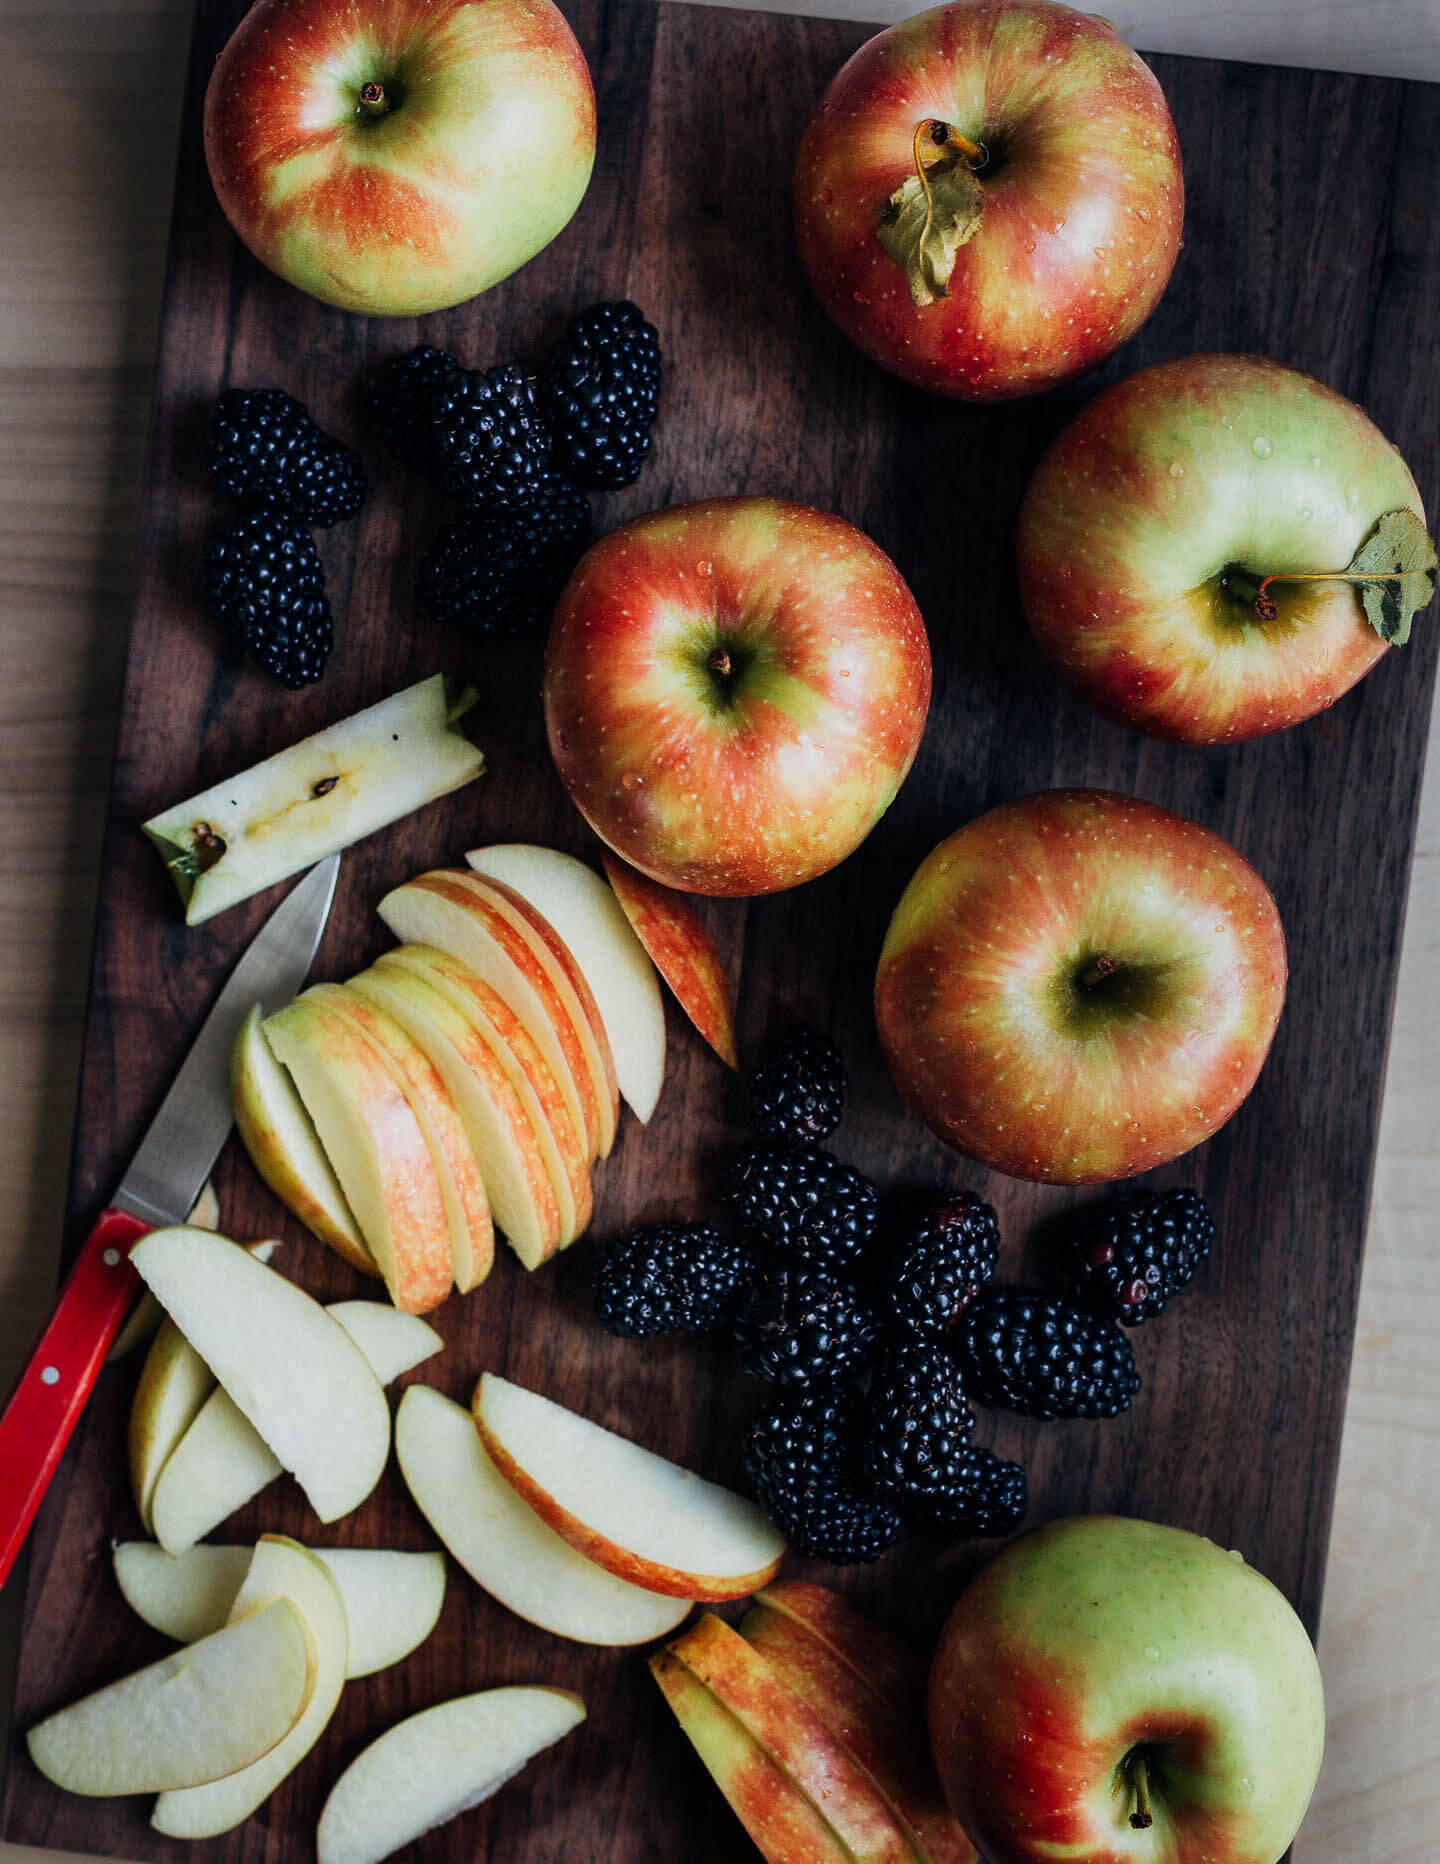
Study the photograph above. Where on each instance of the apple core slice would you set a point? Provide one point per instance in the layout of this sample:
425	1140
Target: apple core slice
504	1545
640	1516
198	1715
437	1764
684	953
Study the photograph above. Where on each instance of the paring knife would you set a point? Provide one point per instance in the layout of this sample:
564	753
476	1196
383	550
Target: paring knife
161	1186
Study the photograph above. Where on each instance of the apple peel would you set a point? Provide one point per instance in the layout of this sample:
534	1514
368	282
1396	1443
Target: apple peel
682	950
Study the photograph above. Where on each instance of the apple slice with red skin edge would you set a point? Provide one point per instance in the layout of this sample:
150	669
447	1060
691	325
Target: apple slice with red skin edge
587	918
630	1510
281	1569
574	992
504	1545
472	1232
885	1733
683	952
448	912
561	1138
436	1764
198	1715
887	1663
795	1738
373	1139
285	1149
517	1179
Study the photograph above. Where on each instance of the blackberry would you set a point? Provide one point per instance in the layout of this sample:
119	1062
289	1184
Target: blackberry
804	1203
396	400
488	443
266	450
1133	1254
797	1090
801	1457
500	572
1043	1357
800	1326
988	1495
600	387
264	585
670	1278
919	1424
944	1253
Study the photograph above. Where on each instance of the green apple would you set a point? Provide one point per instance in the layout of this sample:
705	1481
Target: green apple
1125	1693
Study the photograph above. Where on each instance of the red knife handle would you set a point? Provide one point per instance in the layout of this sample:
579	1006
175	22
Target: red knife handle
51	1391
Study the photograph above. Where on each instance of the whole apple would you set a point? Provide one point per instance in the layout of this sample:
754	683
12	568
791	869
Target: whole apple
734	692
398	156
1153	518
1124	1693
988	198
1079	985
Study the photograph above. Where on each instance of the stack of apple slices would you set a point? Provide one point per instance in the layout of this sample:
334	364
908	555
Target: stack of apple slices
811	1720
569	1525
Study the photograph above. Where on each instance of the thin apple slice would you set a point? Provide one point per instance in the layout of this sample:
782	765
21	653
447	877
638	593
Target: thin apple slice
885	1732
640	1516
891	1667
266	823
195	1716
392	1599
796	1739
588	920
437	1764
285	1149
220	1463
472	1233
280	1569
174	1383
519	1183
392	1341
372	1138
684	953
294	1372
561	1138
504	1545
783	1823
142	1323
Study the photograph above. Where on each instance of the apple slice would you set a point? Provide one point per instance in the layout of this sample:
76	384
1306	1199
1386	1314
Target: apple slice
588	920
783	1823
506	1141
174	1383
684	953
142	1323
195	1716
215	1468
294	1372
372	1138
504	1545
892	1668
392	1341
392	1599
280	1569
885	1732
437	1764
472	1234
560	1136
285	1149
796	1739
324	793
643	1518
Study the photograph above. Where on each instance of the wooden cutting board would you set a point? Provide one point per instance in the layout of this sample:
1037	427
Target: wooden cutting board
1310	236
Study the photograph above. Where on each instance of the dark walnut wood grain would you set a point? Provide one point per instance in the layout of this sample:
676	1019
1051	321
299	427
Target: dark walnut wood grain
1310	236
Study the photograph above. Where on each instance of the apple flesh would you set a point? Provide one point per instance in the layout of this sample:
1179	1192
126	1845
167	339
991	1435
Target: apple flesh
1078	985
1152	519
734	692
437	1764
1099	1650
1073	167
173	1386
399	159
674	935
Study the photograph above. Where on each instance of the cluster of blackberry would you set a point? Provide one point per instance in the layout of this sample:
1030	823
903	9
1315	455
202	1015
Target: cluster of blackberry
883	1327
262	576
516	450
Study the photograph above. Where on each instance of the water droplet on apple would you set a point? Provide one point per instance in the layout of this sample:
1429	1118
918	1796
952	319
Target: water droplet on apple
1152	1655
1177	471
704	569
826	196
1305	514
1247	1785
1029	245
1261	447
1352	497
629	781
1142	213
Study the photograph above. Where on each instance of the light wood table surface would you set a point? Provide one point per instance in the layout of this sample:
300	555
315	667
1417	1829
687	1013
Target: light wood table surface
87	134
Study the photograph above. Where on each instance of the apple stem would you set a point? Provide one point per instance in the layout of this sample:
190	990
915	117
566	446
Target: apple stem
720	663
1264	605
1141	1817
942	135
1098	969
373	101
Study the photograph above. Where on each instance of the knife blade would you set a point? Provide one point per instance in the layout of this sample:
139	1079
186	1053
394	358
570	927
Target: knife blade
159	1187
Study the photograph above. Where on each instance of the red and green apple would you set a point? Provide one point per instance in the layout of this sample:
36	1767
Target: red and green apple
1079	985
